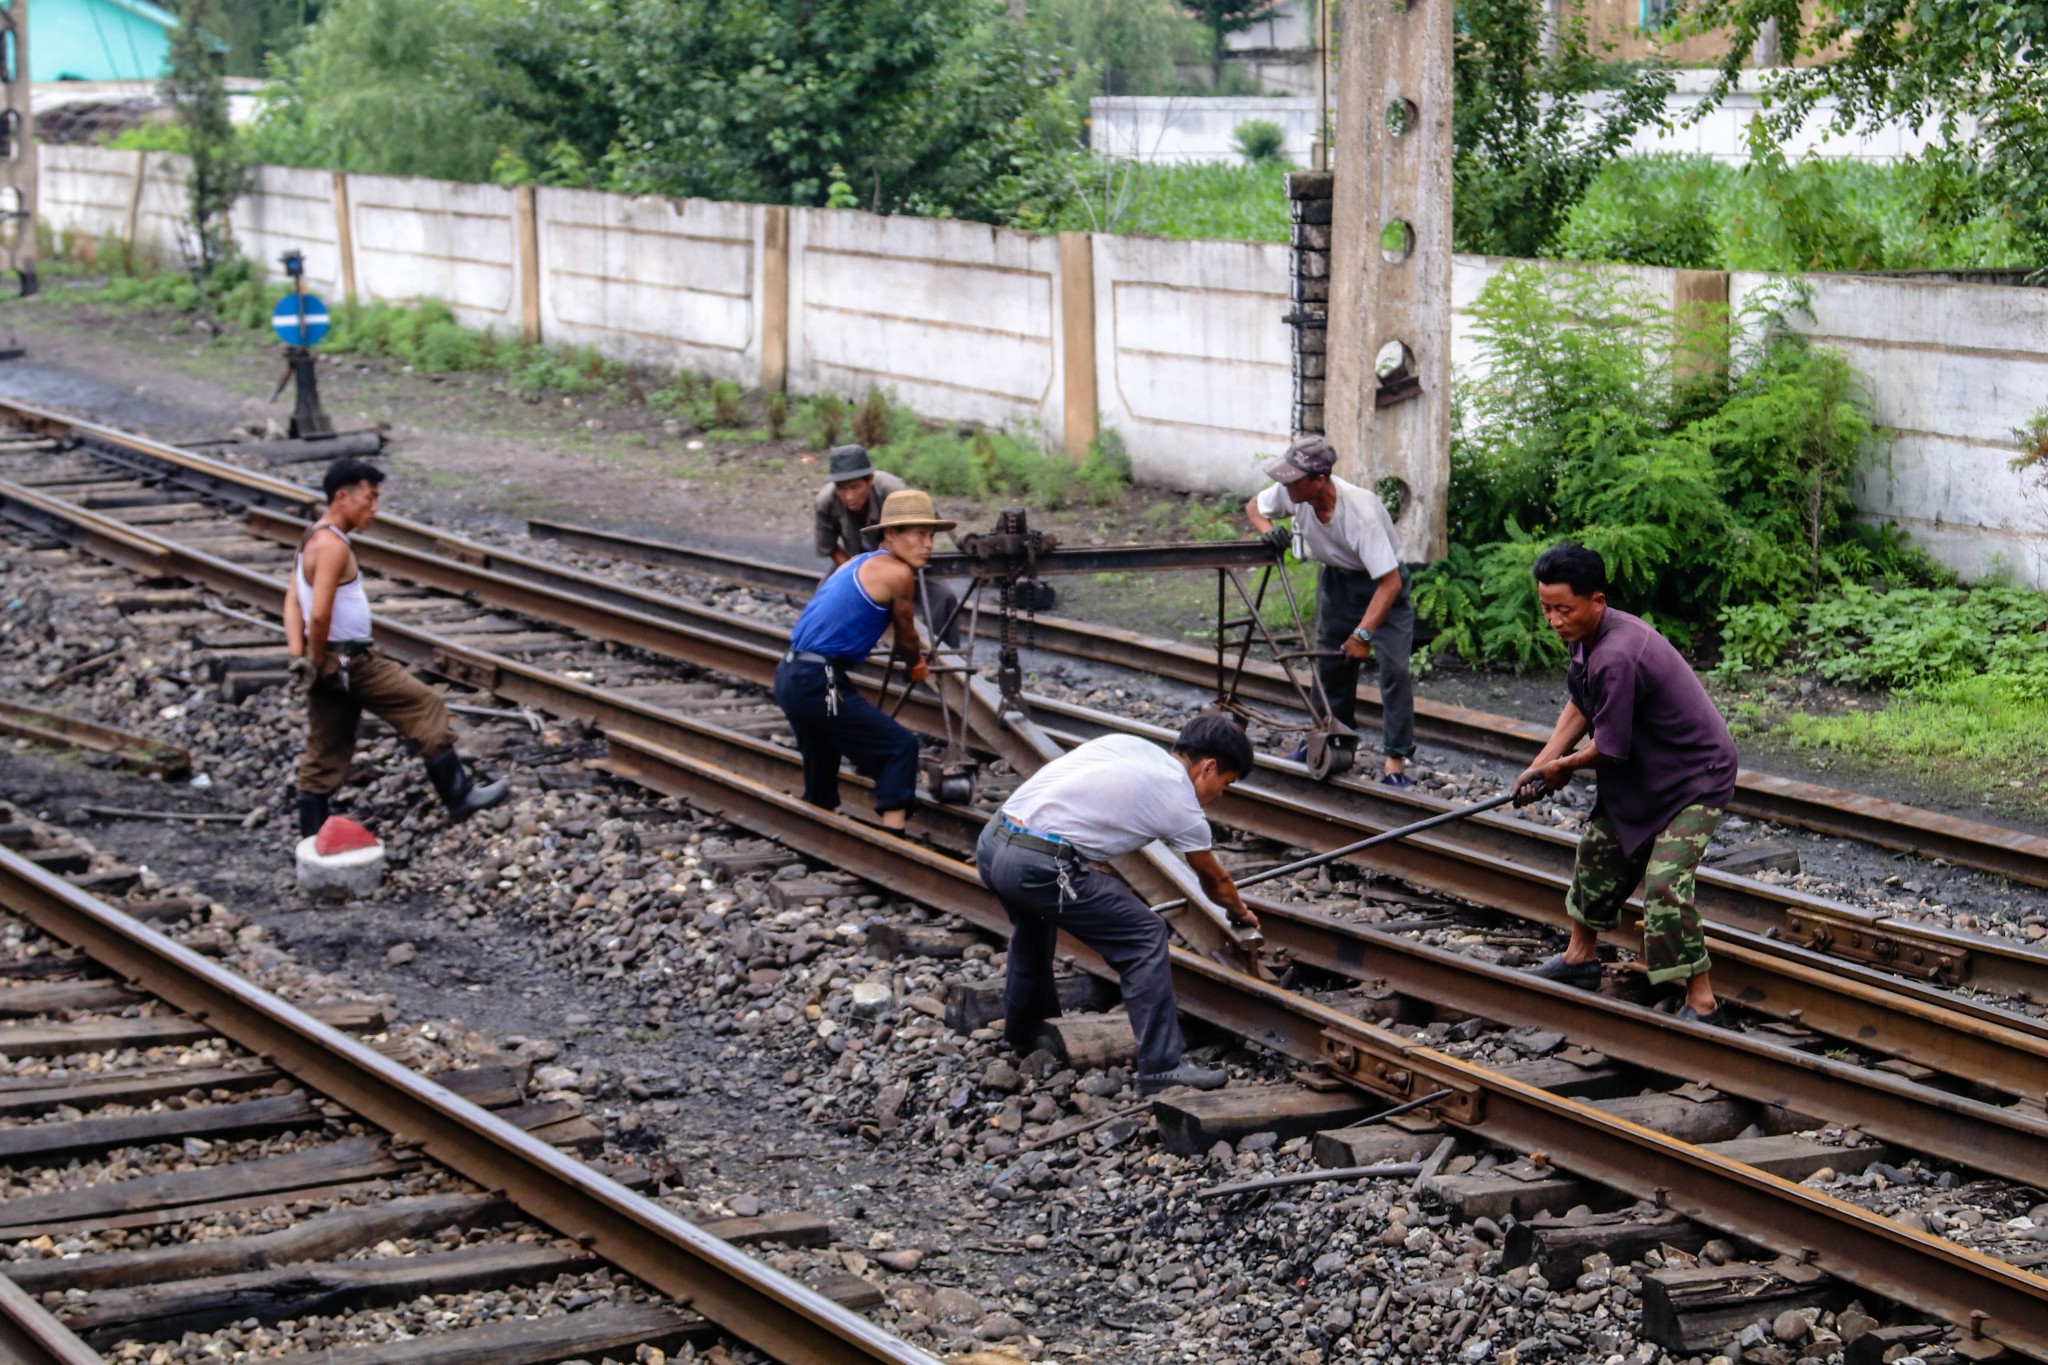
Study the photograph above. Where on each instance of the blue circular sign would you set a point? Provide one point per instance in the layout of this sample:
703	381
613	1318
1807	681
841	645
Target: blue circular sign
300	319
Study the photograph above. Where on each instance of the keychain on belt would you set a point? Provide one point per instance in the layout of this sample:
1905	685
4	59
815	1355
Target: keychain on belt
831	690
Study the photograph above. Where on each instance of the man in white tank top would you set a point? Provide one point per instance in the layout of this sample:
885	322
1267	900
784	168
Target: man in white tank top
337	668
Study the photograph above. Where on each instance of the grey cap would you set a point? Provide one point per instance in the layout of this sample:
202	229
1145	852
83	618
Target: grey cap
847	463
1308	457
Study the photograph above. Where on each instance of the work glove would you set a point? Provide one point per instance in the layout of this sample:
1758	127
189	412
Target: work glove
300	666
1280	538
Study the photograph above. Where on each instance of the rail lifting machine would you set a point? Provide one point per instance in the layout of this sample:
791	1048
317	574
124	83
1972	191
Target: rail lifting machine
1007	563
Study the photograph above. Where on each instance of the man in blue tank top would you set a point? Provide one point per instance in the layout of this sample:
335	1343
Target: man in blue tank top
864	597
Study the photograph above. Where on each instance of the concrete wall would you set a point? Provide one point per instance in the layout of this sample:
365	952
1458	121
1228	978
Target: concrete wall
86	191
1952	369
958	318
417	239
670	282
1171	129
1180	346
1175	130
1192	359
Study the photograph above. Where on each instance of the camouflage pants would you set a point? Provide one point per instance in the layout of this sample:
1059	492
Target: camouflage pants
1674	947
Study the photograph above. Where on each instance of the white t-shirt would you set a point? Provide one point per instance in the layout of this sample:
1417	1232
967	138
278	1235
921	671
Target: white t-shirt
1111	796
1359	534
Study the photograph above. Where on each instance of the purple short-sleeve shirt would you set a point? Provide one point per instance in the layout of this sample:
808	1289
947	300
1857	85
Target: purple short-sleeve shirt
1665	744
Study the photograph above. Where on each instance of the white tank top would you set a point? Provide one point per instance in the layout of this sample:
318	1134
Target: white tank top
351	603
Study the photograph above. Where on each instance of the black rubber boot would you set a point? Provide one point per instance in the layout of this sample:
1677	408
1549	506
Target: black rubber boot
312	813
459	792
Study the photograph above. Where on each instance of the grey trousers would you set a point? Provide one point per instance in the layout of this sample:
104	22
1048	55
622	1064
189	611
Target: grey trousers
1103	913
1342	595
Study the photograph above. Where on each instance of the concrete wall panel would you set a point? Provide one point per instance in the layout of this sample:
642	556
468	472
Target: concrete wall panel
286	209
161	213
957	318
1193	361
652	281
417	239
1952	369
85	190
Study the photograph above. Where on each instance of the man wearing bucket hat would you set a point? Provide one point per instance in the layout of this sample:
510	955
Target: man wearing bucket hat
1362	602
865	596
847	508
850	502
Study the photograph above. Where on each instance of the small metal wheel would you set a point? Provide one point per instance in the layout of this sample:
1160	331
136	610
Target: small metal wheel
956	789
1330	755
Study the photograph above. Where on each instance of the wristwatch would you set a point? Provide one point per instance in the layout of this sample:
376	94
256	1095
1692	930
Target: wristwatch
1363	634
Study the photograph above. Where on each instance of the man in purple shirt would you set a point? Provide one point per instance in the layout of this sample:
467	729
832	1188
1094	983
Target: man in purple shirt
1665	764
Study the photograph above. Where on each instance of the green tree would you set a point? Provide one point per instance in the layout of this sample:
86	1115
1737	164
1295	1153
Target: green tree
1527	146
256	31
1223	18
193	89
396	87
929	106
1974	69
1123	47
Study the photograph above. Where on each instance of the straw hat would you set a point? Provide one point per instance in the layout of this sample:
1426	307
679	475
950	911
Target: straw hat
908	510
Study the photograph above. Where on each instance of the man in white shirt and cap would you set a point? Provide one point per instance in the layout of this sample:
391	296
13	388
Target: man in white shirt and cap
1362	603
1045	856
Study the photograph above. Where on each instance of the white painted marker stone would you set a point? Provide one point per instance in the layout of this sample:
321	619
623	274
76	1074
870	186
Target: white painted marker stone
355	872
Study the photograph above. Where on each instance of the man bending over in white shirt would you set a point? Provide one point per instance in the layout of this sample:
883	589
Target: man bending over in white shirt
1045	856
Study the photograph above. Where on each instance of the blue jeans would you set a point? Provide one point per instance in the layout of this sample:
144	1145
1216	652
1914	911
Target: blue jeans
881	750
1101	911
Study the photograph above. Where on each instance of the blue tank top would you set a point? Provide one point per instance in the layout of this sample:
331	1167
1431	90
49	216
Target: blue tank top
841	621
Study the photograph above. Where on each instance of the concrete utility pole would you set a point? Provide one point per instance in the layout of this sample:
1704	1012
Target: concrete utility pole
17	150
1388	401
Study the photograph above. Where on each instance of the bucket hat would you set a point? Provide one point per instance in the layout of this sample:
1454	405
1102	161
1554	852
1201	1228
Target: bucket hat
847	463
908	510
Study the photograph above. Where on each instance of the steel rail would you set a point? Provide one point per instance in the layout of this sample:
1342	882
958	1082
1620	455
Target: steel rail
2006	852
761	1306
1910	1113
1996	1049
2014	854
1873	1014
1967	1038
1500	860
31	1335
1975	1046
1992	1299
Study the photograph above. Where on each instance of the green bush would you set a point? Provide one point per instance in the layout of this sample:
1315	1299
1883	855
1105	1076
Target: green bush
1205	200
1919	637
1260	141
986	464
1692	212
1701	497
820	421
725	403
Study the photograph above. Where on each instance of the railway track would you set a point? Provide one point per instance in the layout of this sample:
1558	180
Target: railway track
1508	862
2010	853
477	1175
1970	1093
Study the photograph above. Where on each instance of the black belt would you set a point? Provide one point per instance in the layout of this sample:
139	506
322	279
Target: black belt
1010	832
351	648
804	656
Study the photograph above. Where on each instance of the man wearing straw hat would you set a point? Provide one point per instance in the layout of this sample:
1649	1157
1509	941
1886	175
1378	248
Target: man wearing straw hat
865	596
845	511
